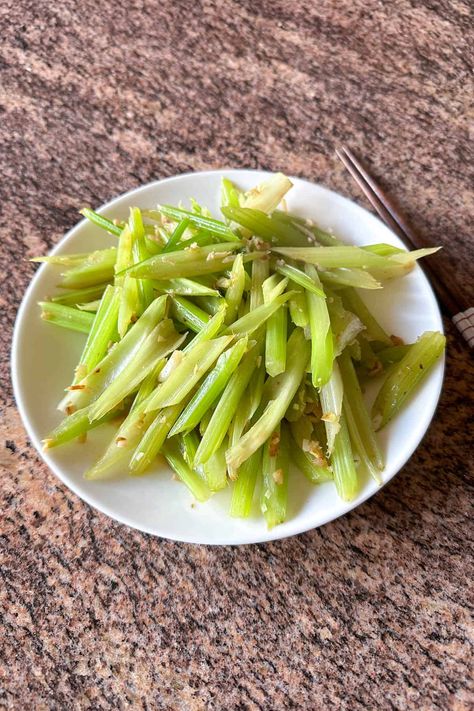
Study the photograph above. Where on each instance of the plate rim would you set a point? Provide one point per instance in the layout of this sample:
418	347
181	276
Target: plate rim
267	535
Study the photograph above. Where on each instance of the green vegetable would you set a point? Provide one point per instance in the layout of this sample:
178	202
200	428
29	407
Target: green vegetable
187	262
215	227
288	384
406	375
230	347
275	465
342	463
322	342
66	316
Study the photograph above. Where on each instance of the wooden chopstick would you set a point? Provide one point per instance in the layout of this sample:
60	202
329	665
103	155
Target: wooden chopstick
452	300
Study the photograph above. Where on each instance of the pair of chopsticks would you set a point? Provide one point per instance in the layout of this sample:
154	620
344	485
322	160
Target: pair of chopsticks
452	300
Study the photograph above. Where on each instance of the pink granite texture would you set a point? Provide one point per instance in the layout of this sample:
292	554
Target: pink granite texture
370	612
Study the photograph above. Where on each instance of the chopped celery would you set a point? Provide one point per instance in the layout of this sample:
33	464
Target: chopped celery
66	316
289	382
402	380
255	345
322	343
187	262
275	466
215	227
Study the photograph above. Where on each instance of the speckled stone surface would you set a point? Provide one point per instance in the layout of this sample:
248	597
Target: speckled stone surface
370	612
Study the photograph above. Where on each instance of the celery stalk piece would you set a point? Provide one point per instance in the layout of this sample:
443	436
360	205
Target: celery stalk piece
208	331
103	332
275	466
183	287
160	342
403	257
265	227
349	277
194	364
227	406
331	395
289	382
129	303
308	452
345	325
76	425
153	438
332	257
353	302
199	238
322	345
256	318
117	455
249	402
299	277
275	342
204	424
358	443
385	250
311	232
190	478
211	388
273	287
215	227
129	309
235	290
244	487
266	196
210	304
148	384
91	306
139	254
315	474
242	415
101	221
79	296
176	235
188	313
97	269
394	354
215	470
188	444
342	463
260	272
116	360
66	316
65	260
230	194
256	388
298	307
187	262
358	419
406	375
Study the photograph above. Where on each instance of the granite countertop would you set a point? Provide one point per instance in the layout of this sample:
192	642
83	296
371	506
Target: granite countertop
370	611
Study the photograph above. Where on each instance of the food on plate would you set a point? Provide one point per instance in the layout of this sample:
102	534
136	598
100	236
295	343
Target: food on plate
234	347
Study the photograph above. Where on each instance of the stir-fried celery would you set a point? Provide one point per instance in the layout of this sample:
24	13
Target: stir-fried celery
322	342
275	465
211	387
233	348
288	384
406	375
192	261
215	227
66	316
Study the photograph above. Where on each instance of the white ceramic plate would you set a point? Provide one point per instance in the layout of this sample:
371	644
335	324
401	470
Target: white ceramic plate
44	356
